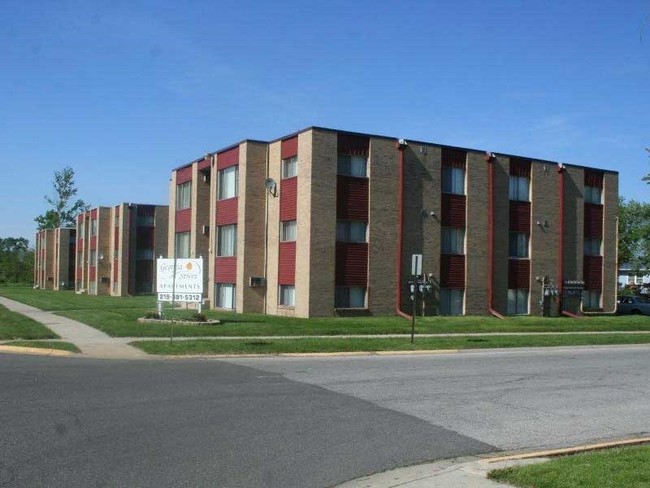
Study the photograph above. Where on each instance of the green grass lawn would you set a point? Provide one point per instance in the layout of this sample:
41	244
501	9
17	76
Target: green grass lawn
16	326
63	346
627	467
307	345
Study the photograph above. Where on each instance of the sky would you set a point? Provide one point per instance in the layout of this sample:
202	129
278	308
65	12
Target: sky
125	91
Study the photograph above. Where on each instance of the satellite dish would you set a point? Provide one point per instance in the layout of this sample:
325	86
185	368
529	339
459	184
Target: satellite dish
271	186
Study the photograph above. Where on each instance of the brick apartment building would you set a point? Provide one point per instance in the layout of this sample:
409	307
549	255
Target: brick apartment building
117	247
54	259
325	222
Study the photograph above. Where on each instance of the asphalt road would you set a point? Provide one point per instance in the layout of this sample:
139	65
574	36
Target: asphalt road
301	422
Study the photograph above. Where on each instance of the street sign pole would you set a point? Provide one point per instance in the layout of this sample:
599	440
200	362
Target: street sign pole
414	296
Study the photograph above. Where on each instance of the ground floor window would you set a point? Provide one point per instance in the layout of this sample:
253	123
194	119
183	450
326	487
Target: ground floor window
287	296
350	297
225	295
451	301
591	299
92	288
517	301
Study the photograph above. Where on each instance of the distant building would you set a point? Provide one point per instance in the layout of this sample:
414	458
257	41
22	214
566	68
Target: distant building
117	247
324	222
54	259
636	279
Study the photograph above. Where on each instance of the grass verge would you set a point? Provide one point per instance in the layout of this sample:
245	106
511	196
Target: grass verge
16	326
614	468
316	345
63	346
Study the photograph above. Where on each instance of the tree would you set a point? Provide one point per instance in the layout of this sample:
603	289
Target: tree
646	178
16	260
634	234
63	212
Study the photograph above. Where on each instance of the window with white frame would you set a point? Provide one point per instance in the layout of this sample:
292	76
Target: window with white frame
519	245
593	194
287	296
517	301
288	231
593	247
290	167
352	165
92	288
183	195
453	180
451	301
182	245
93	227
226	295
519	188
227	240
591	299
351	231
93	257
228	183
453	240
350	297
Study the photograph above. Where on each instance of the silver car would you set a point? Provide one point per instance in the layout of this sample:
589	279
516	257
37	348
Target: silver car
633	305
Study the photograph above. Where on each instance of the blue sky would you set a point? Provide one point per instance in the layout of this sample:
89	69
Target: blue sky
124	91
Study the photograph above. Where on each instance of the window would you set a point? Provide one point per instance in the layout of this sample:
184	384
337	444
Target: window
351	231
183	195
117	220
593	194
93	227
518	245
226	295
228	183
517	301
290	167
453	240
288	231
352	165
453	180
451	301
287	295
92	288
93	257
519	188
227	240
591	299
183	245
350	297
592	247
116	254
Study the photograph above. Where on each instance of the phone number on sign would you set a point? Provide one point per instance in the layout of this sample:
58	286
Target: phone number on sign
179	297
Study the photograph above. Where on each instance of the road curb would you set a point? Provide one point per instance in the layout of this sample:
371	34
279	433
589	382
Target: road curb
35	351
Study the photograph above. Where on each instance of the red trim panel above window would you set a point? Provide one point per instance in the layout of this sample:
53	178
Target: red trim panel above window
228	158
452	271
455	158
593	178
353	144
352	198
351	264
93	213
184	220
92	273
520	167
225	269
204	164
227	211
593	221
184	175
593	272
289	148
288	198
519	274
520	217
453	210
287	264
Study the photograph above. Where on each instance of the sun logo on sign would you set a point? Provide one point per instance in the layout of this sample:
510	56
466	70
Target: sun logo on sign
188	266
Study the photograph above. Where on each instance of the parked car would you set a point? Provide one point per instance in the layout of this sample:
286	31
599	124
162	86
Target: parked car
633	305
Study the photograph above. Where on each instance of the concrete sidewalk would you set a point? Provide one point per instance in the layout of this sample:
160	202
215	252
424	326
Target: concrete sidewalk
91	342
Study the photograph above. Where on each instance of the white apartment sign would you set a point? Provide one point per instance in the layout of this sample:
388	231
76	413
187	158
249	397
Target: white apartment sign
184	283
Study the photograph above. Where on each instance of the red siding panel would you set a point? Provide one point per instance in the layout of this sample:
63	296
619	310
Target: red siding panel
204	164
594	178
353	144
93	213
453	157
92	273
453	210
116	238
116	264
452	271
519	273
352	198
184	220
225	269
520	216
593	272
227	211
80	273
351	264
520	167
593	221
183	175
228	158
288	198
289	147
287	264
93	242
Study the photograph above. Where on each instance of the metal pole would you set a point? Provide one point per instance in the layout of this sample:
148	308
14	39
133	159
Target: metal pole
415	307
171	337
